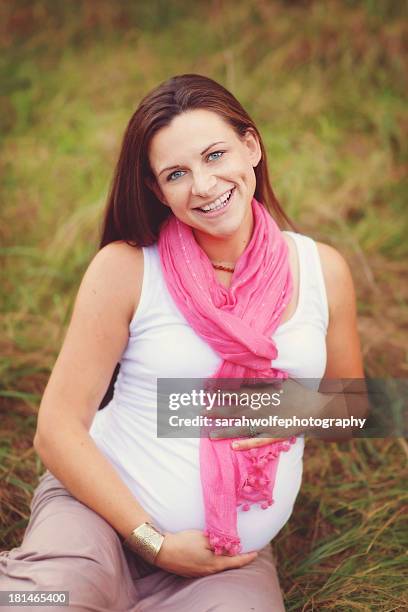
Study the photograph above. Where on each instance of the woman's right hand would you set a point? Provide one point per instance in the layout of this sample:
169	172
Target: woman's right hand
187	553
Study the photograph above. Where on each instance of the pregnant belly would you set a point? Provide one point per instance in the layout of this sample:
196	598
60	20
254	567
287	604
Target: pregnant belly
165	479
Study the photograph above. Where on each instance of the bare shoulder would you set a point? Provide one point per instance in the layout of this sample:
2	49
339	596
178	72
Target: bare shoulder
120	253
337	276
117	269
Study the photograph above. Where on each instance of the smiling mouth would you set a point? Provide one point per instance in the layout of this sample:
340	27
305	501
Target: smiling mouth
218	204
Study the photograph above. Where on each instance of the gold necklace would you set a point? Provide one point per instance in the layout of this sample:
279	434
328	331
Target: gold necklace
225	266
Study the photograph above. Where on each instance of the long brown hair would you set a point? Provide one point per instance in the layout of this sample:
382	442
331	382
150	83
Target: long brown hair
133	213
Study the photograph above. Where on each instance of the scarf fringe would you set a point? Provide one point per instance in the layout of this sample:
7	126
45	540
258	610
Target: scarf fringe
256	487
221	543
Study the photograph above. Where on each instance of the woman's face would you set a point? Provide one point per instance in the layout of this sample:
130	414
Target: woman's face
205	172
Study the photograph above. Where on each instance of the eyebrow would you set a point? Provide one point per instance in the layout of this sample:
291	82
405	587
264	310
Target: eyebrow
202	153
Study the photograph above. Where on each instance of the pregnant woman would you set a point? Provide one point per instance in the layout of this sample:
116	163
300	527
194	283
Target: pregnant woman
195	278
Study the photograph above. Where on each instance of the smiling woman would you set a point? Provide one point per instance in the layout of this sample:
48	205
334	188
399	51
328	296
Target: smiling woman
196	277
211	190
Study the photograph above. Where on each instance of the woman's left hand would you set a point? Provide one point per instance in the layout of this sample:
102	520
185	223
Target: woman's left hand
247	437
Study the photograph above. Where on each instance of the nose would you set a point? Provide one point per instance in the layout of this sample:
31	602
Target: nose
203	184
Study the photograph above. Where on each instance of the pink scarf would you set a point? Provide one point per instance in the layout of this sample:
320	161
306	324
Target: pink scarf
238	323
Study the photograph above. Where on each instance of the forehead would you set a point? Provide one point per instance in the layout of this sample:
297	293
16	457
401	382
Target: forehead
188	134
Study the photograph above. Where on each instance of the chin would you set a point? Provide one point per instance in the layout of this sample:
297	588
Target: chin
227	226
222	232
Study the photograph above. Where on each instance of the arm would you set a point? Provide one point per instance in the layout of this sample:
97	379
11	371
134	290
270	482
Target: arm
344	367
95	340
343	344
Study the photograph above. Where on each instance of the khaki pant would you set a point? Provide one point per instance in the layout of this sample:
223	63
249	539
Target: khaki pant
67	546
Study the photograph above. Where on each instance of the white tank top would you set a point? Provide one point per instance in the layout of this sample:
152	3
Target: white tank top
163	473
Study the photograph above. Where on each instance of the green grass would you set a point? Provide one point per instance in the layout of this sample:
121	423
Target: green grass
325	82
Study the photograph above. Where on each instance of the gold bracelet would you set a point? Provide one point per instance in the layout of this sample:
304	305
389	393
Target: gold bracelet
146	541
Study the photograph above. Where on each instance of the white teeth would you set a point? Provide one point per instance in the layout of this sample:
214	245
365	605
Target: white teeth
218	203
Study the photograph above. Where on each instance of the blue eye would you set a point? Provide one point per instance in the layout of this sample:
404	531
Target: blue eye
169	178
217	153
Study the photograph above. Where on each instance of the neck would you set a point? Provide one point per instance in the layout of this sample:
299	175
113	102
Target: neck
225	248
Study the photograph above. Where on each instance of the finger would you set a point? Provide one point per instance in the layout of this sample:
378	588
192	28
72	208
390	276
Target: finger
238	560
254	442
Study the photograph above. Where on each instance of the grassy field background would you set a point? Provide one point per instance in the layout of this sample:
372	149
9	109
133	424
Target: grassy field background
325	82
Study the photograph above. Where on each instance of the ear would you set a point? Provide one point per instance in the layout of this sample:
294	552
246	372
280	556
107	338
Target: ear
251	141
